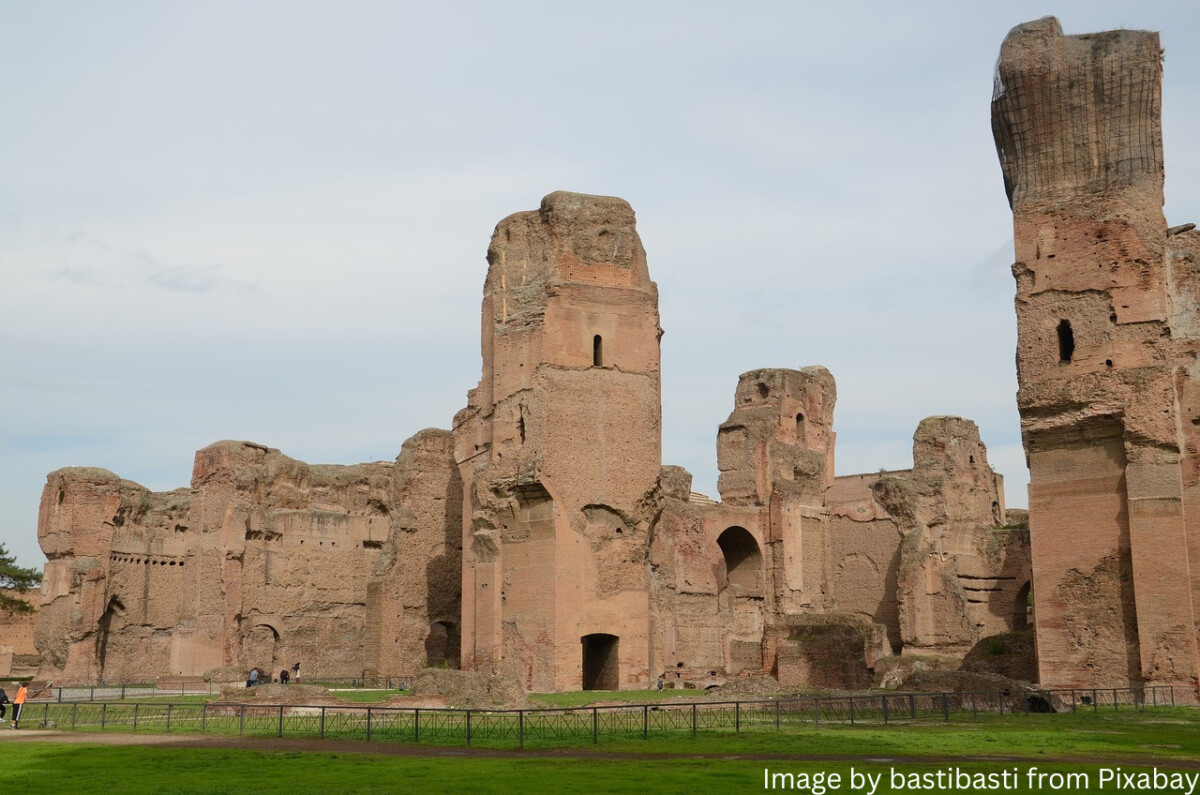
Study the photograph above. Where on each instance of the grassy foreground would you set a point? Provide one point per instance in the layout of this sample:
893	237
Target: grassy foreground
1087	746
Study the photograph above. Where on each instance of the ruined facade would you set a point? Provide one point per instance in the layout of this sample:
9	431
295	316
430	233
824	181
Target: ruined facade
1106	358
542	537
264	561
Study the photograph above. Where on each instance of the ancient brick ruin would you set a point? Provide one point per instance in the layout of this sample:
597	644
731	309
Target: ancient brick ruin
1108	337
543	538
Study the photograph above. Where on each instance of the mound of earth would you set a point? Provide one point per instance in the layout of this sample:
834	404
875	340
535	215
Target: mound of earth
1009	654
891	672
961	682
277	694
752	686
470	689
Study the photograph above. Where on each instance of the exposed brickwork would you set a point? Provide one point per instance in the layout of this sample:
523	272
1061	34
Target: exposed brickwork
1107	332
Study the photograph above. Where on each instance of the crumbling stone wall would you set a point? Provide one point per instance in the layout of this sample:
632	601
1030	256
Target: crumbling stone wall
560	447
1105	356
542	540
263	562
18	652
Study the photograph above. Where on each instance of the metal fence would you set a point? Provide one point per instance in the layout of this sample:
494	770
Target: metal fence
142	690
506	728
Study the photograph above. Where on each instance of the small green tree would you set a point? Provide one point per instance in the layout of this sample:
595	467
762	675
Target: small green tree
13	577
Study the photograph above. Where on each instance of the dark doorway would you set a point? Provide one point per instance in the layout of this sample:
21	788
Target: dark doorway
601	668
743	560
441	646
1021	610
1066	341
597	351
115	608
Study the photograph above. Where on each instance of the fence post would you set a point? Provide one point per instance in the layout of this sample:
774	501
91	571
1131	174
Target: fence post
46	715
135	716
883	704
204	717
242	719
122	692
1172	695
92	693
1154	695
737	716
912	707
645	721
945	707
468	724
74	710
693	719
416	725
521	728
280	721
851	710
596	725
1115	707
1095	700
974	711
322	723
816	712
103	713
368	724
776	714
1073	707
60	695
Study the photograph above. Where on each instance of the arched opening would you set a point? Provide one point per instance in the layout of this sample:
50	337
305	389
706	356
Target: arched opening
261	647
1021	608
601	666
115	608
743	560
800	428
441	645
597	351
1066	341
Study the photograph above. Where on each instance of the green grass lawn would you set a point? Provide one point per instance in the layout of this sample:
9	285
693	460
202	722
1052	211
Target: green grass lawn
1166	739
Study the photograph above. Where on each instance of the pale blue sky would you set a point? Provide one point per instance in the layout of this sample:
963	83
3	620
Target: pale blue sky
268	221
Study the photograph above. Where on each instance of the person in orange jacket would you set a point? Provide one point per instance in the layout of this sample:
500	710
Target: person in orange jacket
18	703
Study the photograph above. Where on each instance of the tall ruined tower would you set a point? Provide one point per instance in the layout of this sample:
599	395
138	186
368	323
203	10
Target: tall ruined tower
1105	357
560	450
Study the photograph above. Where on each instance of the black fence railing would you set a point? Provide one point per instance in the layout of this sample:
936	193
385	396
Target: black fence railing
190	687
548	726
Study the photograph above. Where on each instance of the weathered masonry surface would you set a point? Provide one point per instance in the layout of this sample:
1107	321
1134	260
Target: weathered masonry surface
542	537
1106	357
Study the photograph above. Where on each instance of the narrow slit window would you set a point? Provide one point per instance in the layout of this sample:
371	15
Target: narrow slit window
597	351
1066	341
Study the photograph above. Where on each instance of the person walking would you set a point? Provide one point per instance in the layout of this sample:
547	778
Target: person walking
19	704
3	700
296	672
